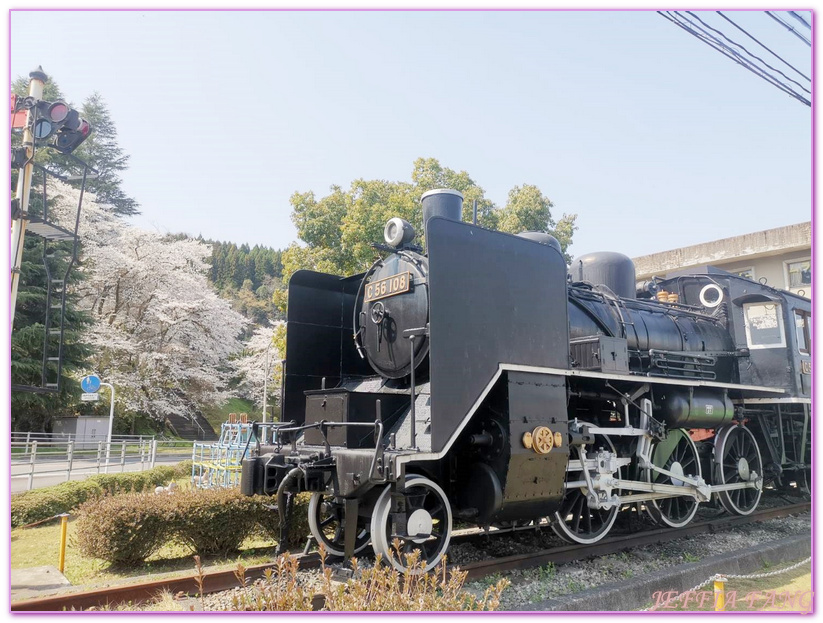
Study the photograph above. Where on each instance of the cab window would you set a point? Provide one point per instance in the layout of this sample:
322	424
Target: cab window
802	323
764	325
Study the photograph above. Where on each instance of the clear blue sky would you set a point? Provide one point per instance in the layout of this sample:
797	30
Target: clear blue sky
651	137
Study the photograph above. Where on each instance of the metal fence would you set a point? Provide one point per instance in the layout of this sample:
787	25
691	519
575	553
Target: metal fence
50	459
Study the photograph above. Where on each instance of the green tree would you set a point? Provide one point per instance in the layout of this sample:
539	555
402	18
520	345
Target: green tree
34	411
101	150
528	209
31	411
339	229
103	153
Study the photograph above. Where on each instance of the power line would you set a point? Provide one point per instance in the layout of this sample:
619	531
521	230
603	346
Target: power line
728	19
695	30
718	45
749	53
800	19
790	27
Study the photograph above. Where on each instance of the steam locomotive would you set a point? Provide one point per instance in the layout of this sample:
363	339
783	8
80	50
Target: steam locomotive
483	379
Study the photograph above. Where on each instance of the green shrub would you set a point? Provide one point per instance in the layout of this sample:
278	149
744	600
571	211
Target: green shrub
183	469
213	521
128	528
46	502
268	521
124	529
136	481
43	503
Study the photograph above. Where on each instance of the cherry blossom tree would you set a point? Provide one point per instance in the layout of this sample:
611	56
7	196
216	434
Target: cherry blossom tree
259	361
160	332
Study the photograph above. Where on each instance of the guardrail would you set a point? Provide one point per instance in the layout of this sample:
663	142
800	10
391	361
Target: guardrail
67	458
29	437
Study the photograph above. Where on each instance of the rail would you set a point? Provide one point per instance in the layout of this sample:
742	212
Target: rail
225	580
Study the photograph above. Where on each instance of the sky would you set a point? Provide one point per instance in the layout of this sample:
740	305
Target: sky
652	138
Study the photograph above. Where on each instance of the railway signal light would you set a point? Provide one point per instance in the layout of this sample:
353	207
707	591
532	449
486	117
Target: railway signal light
69	138
49	117
57	121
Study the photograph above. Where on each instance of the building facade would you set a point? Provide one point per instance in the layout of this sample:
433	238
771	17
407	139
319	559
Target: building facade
780	257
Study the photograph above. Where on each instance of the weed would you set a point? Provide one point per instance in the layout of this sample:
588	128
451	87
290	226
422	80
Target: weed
546	572
379	588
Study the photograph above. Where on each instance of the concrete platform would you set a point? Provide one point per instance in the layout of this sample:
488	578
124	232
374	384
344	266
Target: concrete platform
636	593
36	582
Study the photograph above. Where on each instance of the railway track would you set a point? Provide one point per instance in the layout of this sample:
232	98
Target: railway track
217	581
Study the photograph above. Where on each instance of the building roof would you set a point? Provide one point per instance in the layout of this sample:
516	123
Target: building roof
748	246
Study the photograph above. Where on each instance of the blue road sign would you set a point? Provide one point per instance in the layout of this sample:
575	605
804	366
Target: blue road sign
90	383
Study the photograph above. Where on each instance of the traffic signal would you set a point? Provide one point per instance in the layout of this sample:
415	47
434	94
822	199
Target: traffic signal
58	120
48	118
74	131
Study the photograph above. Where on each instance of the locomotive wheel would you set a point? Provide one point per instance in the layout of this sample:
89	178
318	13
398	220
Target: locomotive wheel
429	524
575	522
328	526
678	454
737	459
803	479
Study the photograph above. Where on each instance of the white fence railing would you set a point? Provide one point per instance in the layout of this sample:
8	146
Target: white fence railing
62	459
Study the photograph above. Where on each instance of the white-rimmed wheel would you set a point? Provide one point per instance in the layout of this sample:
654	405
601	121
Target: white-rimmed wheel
678	455
328	525
575	522
429	524
737	459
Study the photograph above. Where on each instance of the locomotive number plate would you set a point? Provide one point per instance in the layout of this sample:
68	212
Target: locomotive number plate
382	288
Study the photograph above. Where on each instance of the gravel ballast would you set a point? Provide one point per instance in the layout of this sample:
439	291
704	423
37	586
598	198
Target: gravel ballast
532	586
551	582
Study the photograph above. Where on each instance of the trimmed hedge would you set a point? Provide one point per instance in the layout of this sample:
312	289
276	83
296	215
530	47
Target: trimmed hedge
46	502
127	529
213	521
268	521
124	529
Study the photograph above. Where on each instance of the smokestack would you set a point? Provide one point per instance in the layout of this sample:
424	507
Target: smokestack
442	202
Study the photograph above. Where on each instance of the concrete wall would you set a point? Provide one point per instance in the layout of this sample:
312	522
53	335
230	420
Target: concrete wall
767	253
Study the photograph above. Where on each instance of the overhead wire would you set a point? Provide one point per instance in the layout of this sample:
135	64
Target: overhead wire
718	45
747	52
789	27
728	19
800	19
703	35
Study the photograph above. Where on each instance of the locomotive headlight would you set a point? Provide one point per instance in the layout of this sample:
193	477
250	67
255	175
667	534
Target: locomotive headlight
398	232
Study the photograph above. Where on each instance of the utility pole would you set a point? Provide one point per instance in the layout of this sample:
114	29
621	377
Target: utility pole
266	391
37	81
111	424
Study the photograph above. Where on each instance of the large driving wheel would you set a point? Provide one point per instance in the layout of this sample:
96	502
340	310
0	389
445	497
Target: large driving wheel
575	522
328	525
429	525
677	454
737	459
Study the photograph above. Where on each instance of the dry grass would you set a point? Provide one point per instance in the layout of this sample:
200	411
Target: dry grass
377	588
164	603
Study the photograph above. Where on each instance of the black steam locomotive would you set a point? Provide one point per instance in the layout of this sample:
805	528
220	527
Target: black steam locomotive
485	380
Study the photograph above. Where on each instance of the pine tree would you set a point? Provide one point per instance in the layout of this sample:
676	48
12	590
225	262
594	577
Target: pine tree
34	411
29	410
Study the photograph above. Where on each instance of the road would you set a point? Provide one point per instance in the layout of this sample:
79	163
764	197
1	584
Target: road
50	472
